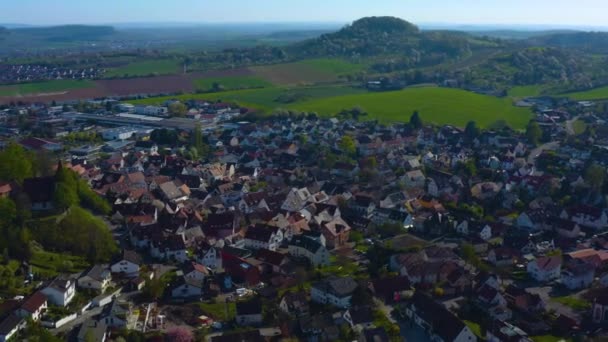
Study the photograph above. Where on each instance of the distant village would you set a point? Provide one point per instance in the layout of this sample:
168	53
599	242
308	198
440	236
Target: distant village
234	227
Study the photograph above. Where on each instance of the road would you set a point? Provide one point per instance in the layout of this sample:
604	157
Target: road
559	308
537	151
88	314
78	321
569	126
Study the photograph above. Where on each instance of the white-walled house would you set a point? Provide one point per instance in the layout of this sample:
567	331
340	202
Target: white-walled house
128	264
96	278
60	291
309	248
249	313
336	291
546	268
437	321
33	307
211	258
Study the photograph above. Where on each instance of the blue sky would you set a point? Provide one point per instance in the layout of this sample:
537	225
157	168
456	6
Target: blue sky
538	12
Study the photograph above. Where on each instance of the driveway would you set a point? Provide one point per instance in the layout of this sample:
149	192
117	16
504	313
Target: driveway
570	126
544	293
537	151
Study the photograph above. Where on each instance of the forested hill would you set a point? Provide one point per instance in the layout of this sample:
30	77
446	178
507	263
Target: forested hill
375	36
592	42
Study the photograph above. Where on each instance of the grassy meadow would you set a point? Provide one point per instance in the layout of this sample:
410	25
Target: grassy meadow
145	68
588	95
313	71
435	105
44	87
232	82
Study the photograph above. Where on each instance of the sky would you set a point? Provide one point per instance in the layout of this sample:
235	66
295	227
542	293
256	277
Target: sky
510	12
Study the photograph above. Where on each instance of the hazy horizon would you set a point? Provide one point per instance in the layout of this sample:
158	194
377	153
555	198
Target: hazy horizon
541	13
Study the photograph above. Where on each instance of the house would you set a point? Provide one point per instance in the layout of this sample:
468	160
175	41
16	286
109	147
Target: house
586	216
92	331
503	256
295	304
95	278
263	236
374	335
60	291
188	288
390	289
414	179
296	199
545	269
210	257
337	291
173	192
599	309
437	321
33	307
249	313
336	233
359	318
523	301
5	190
302	246
241	271
128	264
501	331
10	327
577	274
195	271
40	191
117	314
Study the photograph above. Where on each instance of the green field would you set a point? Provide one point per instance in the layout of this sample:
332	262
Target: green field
435	105
264	99
526	91
592	94
313	71
145	68
44	87
232	82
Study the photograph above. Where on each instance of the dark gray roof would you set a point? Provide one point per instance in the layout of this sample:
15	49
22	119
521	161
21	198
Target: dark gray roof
337	286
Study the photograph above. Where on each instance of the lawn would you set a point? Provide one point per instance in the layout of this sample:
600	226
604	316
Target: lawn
575	303
232	82
48	264
145	68
435	105
44	87
312	71
218	311
475	328
579	127
592	94
526	91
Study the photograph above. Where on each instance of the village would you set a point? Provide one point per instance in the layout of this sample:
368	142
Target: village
233	227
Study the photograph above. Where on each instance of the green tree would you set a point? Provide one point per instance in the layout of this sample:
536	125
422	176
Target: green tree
64	196
595	176
15	164
347	145
533	132
178	109
471	132
415	120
